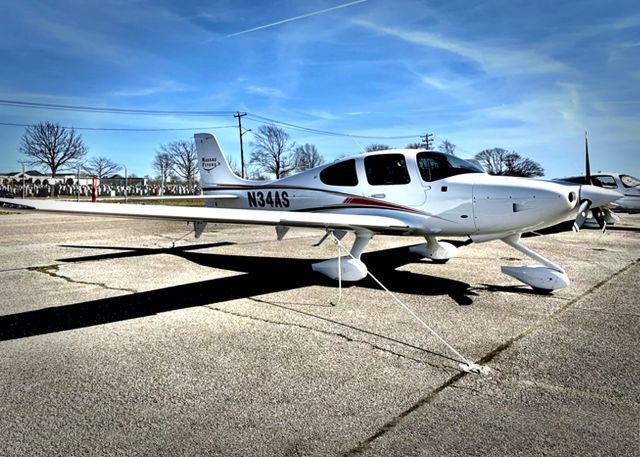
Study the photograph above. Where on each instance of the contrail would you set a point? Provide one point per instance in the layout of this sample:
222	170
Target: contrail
297	17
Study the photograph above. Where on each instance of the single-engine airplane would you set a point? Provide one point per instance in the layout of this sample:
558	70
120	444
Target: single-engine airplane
626	185
417	193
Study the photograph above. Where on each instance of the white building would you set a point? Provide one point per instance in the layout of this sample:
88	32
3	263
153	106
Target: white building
34	177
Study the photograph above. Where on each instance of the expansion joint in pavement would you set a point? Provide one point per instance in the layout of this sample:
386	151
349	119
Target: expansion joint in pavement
544	321
53	271
391	424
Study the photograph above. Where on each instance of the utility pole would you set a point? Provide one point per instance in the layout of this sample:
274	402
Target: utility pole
78	193
240	115
426	140
125	183
23	183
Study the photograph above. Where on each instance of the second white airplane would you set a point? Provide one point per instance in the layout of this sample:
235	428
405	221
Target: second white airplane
396	192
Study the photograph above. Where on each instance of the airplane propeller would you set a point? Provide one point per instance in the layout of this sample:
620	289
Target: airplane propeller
587	195
582	215
598	215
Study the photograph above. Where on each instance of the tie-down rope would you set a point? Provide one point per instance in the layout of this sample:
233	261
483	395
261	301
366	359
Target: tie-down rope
466	364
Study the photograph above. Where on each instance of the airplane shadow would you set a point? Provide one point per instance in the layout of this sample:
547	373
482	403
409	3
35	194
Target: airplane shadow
262	275
619	228
567	227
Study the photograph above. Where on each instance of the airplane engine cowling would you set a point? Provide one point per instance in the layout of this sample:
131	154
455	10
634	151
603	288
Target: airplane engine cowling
517	203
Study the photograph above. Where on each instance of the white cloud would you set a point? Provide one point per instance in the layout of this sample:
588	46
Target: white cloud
445	82
265	91
626	23
75	41
162	87
325	115
495	60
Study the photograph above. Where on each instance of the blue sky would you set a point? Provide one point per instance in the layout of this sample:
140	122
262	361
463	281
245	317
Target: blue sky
520	75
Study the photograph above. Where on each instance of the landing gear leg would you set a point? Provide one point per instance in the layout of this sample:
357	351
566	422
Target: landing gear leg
437	251
542	278
345	267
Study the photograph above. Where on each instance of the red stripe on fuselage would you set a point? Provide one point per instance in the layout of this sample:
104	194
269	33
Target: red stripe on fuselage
350	199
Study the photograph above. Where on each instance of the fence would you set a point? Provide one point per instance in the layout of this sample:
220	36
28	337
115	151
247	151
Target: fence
45	190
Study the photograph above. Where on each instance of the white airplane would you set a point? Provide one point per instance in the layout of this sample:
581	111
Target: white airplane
416	193
625	184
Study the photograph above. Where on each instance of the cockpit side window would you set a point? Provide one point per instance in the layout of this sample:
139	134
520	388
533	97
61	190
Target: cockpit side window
340	174
434	166
386	169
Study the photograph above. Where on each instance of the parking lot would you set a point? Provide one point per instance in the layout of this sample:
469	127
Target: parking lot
116	339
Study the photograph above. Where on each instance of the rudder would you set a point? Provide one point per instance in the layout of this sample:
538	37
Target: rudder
214	168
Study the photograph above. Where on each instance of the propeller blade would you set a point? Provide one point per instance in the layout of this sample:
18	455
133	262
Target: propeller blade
586	159
598	215
582	215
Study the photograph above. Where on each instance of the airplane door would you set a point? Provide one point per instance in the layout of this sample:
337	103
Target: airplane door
388	178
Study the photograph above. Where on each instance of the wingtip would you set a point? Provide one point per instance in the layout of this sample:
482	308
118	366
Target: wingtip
13	205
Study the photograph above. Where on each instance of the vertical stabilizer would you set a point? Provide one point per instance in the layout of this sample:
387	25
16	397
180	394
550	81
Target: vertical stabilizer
214	168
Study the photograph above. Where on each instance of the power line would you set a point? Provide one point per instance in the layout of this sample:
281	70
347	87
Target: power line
130	111
114	129
257	118
94	109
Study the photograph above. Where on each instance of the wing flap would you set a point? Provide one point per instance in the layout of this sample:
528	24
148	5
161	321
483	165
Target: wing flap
186	197
221	215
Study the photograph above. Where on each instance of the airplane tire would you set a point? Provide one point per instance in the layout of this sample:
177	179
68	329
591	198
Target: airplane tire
439	261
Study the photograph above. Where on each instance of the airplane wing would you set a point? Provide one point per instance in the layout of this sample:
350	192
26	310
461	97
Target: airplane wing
221	215
186	197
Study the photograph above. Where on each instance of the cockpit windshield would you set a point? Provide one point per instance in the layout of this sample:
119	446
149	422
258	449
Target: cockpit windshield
435	165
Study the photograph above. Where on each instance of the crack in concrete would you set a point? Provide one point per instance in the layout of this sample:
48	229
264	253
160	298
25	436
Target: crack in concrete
391	424
52	270
332	334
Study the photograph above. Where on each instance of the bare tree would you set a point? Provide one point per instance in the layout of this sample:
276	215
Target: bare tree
163	165
51	145
101	167
414	146
183	158
447	147
501	162
521	166
234	166
376	147
272	151
306	157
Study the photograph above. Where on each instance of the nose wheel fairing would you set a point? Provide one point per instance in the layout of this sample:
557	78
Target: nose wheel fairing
538	277
546	277
439	251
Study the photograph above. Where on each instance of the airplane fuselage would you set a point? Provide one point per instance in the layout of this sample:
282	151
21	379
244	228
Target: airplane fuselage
435	193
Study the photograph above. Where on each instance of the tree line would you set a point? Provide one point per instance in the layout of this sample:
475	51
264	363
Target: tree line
49	145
